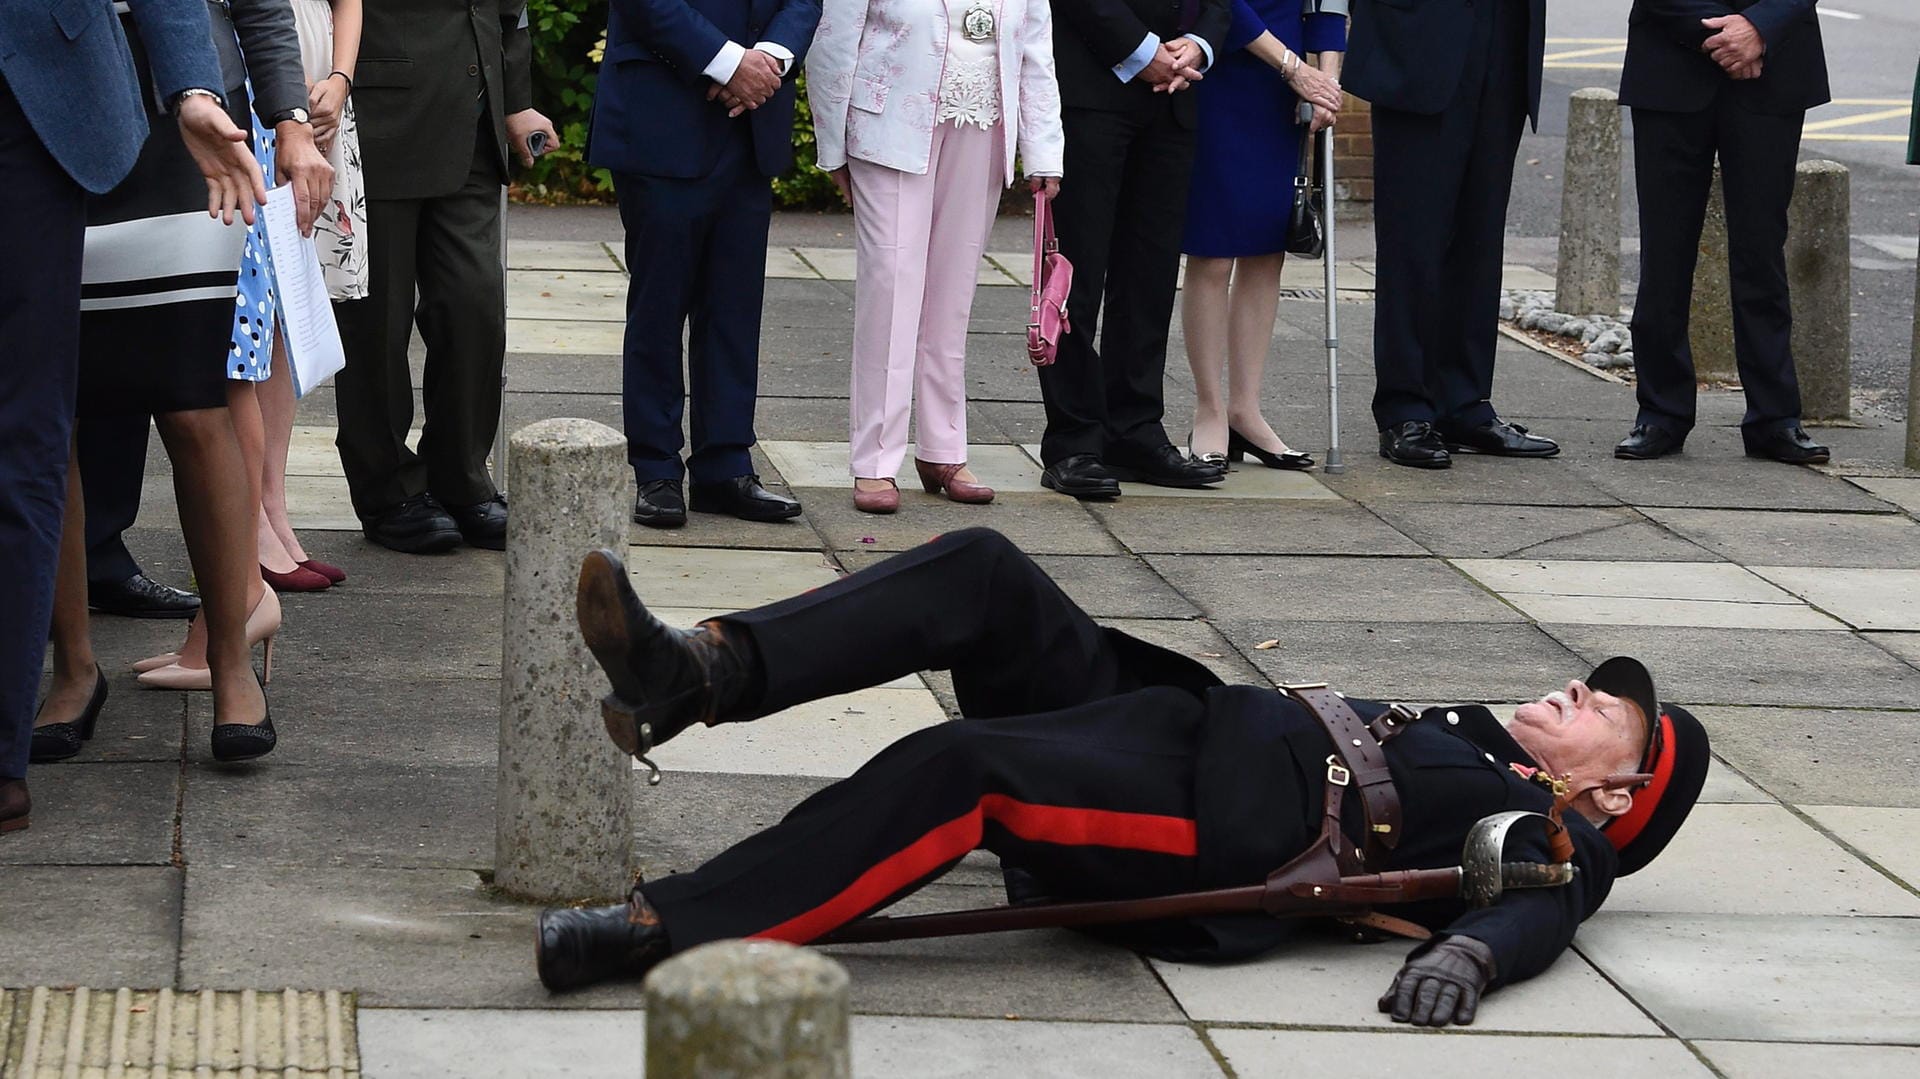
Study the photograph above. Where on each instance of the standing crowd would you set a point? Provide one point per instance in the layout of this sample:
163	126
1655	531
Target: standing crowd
1154	129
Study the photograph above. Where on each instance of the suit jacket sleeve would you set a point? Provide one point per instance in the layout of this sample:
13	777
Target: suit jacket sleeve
1109	27
1777	19
271	45
1529	927
1043	142
516	47
682	36
179	46
830	78
792	28
1212	22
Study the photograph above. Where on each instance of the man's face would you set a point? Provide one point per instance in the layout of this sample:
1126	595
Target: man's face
1581	731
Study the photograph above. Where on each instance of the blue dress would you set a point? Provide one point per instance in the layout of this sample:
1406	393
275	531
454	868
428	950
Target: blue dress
1247	148
255	296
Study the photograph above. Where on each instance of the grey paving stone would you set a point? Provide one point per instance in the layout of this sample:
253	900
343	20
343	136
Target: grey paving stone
1904	493
1474	530
568	337
1725	786
374	571
939	1048
1250	527
1768	1060
430	1043
1758	859
1754	666
720	530
1643	541
1904	645
1414	661
1277	1054
724	580
1104	587
559	372
1821	756
1879	599
808	304
1022	422
1477	480
336	719
98	814
1780	978
1716	477
802	419
89	925
1884	835
433	636
1708	594
1198	639
419	938
531	403
1878	540
1037	523
1007	469
1318	589
827	738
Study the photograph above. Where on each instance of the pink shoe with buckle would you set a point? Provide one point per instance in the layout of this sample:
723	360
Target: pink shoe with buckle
876	500
936	478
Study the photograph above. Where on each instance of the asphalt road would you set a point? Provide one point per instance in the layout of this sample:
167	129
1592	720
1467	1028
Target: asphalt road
1872	47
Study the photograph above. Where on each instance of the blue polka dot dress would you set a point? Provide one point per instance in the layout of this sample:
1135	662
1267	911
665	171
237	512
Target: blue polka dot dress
255	300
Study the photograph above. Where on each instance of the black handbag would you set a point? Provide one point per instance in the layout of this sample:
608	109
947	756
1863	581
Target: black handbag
1306	232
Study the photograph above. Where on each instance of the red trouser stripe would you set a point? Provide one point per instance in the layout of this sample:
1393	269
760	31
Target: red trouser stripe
1148	832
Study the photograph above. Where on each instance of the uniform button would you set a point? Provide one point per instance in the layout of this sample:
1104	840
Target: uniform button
1489	757
473	69
1453	718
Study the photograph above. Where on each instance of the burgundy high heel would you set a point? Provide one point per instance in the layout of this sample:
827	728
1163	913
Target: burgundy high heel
333	574
937	477
297	579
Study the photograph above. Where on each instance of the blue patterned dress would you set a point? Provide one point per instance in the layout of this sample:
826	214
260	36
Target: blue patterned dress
255	300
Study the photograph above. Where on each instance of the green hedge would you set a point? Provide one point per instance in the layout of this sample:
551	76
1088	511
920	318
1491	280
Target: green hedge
568	36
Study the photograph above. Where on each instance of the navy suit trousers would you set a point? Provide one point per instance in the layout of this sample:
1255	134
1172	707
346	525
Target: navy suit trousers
696	253
44	215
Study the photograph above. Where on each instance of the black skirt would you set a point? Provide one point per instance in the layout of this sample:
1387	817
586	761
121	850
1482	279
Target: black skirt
159	277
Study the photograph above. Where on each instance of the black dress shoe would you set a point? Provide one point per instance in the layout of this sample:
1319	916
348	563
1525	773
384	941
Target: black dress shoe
1082	476
1497	438
1415	444
660	505
483	524
16	806
246	741
579	946
742	497
1162	467
59	741
415	525
1789	444
1646	442
664	679
140	596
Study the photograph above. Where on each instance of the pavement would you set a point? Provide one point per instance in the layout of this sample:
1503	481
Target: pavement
328	910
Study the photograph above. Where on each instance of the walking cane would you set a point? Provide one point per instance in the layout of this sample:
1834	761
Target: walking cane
1335	464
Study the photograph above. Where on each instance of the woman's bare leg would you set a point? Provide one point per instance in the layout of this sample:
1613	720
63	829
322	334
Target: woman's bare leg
277	405
74	665
1250	313
1203	319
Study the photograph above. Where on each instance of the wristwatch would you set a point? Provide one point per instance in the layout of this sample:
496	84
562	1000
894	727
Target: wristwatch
297	115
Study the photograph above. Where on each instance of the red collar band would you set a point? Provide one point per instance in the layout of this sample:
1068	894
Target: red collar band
1625	828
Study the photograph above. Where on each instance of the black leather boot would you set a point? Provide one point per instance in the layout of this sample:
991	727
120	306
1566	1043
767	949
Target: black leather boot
579	946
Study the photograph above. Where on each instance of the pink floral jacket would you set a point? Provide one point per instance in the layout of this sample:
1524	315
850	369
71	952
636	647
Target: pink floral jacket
873	81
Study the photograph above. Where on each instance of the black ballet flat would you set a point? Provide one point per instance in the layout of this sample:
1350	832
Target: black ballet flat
1239	446
245	741
1211	460
59	741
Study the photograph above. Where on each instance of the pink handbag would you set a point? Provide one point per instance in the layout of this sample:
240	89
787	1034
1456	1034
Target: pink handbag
1052	280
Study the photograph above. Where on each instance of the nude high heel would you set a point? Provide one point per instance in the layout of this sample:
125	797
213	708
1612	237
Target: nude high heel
156	662
262	624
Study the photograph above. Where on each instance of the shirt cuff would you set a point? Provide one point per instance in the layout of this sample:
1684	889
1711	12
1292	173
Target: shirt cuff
1205	49
1138	61
724	63
778	52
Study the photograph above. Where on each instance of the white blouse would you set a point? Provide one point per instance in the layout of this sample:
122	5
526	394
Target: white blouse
970	80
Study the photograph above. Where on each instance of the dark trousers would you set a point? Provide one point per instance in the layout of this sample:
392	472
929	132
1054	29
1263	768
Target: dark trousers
113	463
1441	184
435	263
1673	165
1119	219
1073	766
44	217
697	259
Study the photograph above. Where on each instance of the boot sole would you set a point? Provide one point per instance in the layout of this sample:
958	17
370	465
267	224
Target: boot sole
1085	494
600	608
17	824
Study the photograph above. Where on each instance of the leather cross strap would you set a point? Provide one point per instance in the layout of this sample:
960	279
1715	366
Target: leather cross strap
1360	754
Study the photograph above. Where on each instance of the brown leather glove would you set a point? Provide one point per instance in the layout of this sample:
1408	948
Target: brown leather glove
1441	985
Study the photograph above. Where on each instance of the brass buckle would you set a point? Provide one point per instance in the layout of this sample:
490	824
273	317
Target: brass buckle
1337	773
1402	713
1302	685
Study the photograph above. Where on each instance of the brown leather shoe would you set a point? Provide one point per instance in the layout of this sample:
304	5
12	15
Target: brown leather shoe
883	501
15	805
936	478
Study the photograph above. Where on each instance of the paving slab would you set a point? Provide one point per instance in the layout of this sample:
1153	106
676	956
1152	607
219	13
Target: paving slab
1038	524
1725	786
567	295
1242	482
1774	1060
824	464
1720	478
1416	661
432	636
828	738
429	1043
397	816
724	580
1822	756
1280	1054
1710	594
335	719
136	724
1234	525
571	373
561	255
1326	981
373	570
98	814
819	419
1103	587
1754	666
1904	493
1775	978
1198	639
1321	589
721	530
314	504
939	1048
1883	834
89	925
1882	599
565	337
1758	859
1473	480
784	264
1643	541
1881	540
1904	645
1470	530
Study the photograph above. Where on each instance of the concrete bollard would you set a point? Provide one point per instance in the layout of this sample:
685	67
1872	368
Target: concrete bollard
1588	281
564	802
1913	384
747	1009
1820	275
1710	325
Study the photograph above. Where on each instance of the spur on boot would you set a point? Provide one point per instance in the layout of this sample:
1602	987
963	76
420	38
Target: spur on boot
262	624
58	741
664	679
578	946
936	478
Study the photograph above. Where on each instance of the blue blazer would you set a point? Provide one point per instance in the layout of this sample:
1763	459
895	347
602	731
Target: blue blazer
1410	55
651	114
69	65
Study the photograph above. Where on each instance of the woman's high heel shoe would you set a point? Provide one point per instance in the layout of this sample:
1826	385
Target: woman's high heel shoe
1238	446
297	579
152	663
58	741
885	500
262	624
334	574
1217	459
936	478
246	741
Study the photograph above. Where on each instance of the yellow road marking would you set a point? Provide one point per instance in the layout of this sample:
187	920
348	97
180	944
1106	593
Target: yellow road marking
1576	53
1587	66
1818	137
1868	101
1620	41
1861	118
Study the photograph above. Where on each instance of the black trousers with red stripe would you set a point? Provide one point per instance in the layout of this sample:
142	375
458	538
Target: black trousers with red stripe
1075	766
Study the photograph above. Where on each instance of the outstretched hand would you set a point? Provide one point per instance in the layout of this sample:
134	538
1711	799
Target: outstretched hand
1441	985
220	151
